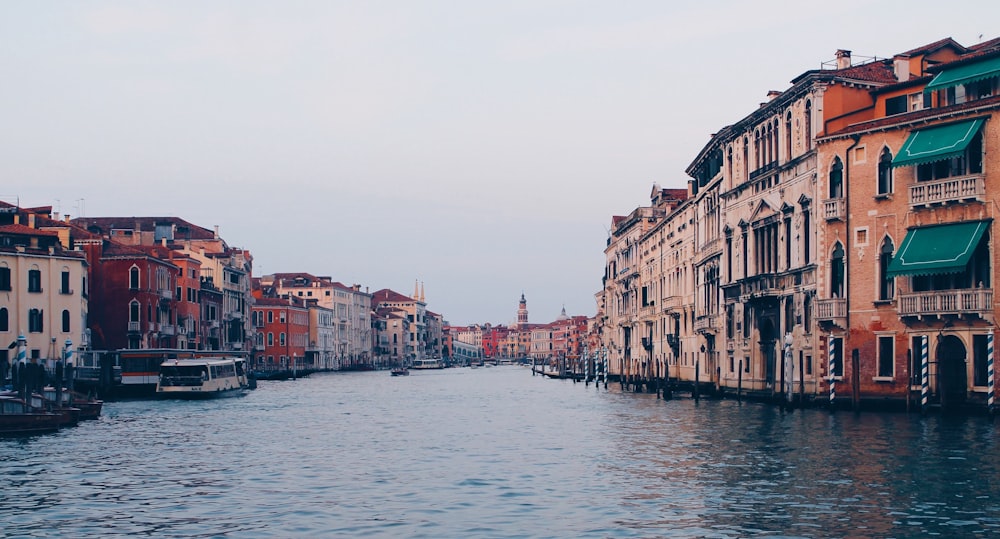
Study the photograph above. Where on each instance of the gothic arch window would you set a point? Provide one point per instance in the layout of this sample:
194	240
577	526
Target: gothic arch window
885	172
757	150
133	311
775	139
837	178
808	125
729	164
837	271
4	319
133	278
65	321
887	284
788	136
746	159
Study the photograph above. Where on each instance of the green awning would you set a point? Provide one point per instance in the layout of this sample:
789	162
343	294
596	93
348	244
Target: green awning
965	74
936	143
937	249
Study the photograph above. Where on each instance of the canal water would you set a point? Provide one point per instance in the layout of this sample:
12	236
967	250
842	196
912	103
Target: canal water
496	452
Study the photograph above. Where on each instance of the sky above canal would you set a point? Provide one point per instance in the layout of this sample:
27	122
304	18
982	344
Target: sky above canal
478	147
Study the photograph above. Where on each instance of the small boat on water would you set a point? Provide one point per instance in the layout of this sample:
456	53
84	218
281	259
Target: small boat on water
18	417
400	371
201	378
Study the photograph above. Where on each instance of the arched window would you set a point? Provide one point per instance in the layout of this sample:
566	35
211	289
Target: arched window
885	172
4	319
133	278
807	313
837	178
837	271
65	321
729	165
746	159
133	311
775	139
788	136
757	150
34	279
35	321
808	125
887	284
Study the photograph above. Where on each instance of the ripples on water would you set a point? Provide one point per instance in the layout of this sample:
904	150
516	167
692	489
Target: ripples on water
496	453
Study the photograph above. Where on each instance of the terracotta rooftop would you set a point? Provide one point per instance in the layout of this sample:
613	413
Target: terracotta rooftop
23	230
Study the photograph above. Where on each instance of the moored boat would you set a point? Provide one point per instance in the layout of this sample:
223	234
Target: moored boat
400	371
18	417
199	378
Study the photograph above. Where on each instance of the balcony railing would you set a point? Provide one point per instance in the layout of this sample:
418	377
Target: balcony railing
166	293
828	310
706	323
948	190
133	327
973	301
167	329
833	209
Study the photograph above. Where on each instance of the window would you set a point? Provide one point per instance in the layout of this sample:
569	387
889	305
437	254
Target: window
980	376
65	321
270	339
969	162
281	339
133	312
837	271
64	283
896	105
806	245
789	313
807	313
788	136
4	278
281	316
35	321
808	123
886	353
270	317
885	172
837	358
837	178
916	360
4	319
34	280
887	283
133	278
809	364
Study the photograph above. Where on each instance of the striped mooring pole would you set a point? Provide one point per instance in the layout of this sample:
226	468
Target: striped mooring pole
586	369
924	374
833	382
989	371
22	349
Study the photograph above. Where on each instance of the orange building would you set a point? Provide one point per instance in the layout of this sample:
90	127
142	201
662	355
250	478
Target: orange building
905	293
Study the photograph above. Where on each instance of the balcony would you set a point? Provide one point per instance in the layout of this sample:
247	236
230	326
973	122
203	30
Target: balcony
705	324
962	302
961	189
670	303
832	311
834	209
167	329
166	294
133	327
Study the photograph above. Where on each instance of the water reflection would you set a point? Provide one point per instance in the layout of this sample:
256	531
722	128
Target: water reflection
497	453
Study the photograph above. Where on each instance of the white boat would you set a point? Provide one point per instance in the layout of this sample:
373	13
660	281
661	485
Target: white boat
425	364
200	378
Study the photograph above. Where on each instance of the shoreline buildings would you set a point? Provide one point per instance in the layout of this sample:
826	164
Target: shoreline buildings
834	243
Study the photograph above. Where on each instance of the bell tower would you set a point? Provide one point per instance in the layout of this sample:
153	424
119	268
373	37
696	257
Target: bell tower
522	311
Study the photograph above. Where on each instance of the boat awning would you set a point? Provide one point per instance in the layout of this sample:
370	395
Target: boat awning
937	249
965	74
936	143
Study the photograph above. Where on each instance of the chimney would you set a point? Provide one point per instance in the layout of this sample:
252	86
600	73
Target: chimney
216	231
163	241
772	94
843	59
901	66
31	220
66	217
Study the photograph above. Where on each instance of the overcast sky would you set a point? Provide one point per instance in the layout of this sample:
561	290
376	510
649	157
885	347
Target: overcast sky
480	147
